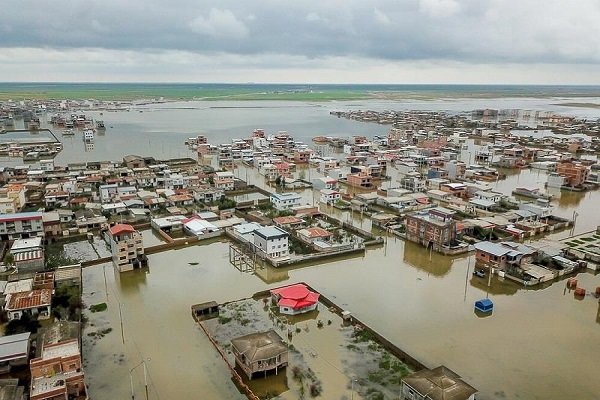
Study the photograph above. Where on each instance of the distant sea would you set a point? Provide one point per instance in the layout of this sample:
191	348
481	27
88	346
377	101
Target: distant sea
299	92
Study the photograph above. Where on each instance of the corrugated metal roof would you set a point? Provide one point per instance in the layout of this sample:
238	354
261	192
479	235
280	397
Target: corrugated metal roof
494	249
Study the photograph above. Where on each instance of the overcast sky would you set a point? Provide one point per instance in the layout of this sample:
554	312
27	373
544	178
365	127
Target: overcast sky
326	41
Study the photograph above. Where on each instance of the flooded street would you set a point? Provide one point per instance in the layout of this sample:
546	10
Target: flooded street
424	306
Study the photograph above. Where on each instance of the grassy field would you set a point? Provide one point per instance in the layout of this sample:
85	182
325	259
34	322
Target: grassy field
189	92
284	92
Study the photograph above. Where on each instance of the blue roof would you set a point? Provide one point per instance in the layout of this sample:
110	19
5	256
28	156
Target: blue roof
484	305
485	302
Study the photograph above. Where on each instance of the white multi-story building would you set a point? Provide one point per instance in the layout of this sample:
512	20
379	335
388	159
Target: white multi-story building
108	192
175	181
329	196
21	225
28	254
127	247
285	201
272	241
224	180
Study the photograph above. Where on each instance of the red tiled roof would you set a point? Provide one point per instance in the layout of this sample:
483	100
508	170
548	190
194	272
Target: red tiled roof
79	200
318	232
29	299
121	228
287	220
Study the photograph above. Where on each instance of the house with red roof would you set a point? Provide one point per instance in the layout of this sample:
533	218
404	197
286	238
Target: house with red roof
36	303
127	247
311	234
295	299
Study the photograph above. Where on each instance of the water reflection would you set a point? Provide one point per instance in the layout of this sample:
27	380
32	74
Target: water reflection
570	199
268	385
132	281
498	286
480	314
269	274
431	262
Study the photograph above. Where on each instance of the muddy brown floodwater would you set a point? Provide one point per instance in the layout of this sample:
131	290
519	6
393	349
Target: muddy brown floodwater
537	344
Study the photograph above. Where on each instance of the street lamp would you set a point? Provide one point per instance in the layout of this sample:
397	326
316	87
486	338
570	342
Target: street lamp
145	379
352	388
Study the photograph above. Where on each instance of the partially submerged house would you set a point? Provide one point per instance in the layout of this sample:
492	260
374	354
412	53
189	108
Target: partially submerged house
260	352
127	247
439	383
295	299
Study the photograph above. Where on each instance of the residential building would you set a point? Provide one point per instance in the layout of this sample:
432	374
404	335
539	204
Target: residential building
272	241
329	196
108	192
406	168
575	173
259	352
57	373
224	180
197	226
51	223
56	198
28	254
503	254
133	161
360	180
456	189
12	198
21	225
10	390
285	201
494	197
288	222
434	228
439	383
555	180
14	351
541	208
36	303
413	182
324	183
168	224
295	299
456	169
127	247
312	234
9	205
174	181
302	156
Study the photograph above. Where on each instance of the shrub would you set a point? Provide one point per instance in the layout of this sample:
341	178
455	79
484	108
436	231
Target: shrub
98	307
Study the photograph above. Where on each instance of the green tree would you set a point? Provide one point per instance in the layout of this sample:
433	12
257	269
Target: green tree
9	259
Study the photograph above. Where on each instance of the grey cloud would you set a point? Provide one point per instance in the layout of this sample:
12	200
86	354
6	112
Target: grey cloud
527	31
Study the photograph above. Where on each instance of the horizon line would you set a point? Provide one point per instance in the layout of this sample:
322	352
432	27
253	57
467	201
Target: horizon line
303	83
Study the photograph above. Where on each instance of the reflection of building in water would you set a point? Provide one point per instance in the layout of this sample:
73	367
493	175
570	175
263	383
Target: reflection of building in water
570	199
419	257
88	146
269	274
